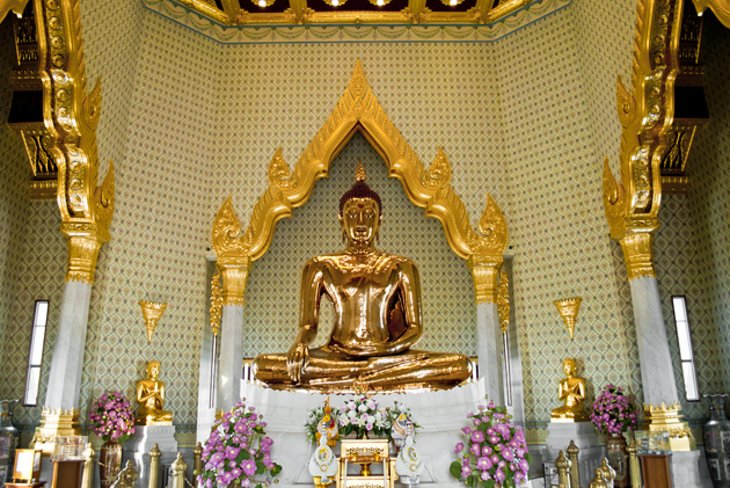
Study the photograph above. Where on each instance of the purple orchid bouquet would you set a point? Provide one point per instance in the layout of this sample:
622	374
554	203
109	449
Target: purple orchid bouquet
238	452
362	416
495	453
111	417
614	411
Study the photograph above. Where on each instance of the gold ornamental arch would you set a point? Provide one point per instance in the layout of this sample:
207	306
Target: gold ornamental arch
430	188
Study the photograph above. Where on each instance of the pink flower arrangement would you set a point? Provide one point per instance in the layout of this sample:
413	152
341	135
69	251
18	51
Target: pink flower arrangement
495	451
111	417
238	452
613	411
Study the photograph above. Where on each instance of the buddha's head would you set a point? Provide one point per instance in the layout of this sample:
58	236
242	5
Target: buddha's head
153	369
570	367
360	212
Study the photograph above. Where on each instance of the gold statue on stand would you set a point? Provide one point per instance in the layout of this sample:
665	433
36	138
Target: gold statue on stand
572	393
151	398
376	298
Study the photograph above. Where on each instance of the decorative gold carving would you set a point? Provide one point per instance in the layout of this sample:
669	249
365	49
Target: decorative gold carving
634	468
70	117
646	112
127	478
503	305
152	313
17	6
54	423
150	394
721	9
485	272
359	110
598	480
568	310
216	303
638	255
668	418
232	249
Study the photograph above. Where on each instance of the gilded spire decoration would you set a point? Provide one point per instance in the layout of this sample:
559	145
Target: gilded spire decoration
360	171
568	310
503	306
152	313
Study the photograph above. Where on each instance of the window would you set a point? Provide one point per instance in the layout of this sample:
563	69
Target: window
35	357
681	320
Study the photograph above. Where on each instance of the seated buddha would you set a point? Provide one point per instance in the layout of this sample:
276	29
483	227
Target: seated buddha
151	398
572	392
376	299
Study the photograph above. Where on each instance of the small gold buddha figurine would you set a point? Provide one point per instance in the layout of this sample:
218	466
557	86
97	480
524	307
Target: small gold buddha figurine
377	305
572	392
151	398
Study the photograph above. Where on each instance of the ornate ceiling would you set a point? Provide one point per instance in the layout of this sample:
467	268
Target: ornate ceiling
292	21
242	12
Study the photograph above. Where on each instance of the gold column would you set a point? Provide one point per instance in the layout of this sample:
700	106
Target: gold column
178	472
562	464
574	471
197	462
154	467
634	469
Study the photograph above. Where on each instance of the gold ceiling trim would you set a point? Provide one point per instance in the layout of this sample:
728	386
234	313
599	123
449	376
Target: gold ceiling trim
16	6
299	23
721	9
358	110
70	116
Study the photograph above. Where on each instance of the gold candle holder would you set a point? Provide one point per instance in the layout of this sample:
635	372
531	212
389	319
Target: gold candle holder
152	313
568	310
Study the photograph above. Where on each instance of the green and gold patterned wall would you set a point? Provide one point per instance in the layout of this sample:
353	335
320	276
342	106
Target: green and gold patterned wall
189	121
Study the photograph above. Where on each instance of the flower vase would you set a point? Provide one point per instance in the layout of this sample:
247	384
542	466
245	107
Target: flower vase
110	462
717	439
618	459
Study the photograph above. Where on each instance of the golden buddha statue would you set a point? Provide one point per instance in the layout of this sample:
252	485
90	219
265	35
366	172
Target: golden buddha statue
151	398
572	392
376	299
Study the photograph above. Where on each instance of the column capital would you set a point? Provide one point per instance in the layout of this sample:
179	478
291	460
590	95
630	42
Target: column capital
83	252
638	255
234	271
485	272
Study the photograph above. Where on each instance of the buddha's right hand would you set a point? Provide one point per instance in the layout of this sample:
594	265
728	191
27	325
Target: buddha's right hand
296	361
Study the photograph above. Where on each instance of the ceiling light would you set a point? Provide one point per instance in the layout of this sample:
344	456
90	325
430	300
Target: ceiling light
263	3
451	3
380	3
335	3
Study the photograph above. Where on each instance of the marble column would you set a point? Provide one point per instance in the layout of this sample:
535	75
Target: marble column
234	271
485	272
657	372
61	410
489	347
64	379
230	364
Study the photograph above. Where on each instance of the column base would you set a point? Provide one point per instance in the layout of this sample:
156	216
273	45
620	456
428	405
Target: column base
54	423
667	418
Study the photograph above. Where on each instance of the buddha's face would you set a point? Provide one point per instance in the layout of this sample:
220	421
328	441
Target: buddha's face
153	370
569	367
360	220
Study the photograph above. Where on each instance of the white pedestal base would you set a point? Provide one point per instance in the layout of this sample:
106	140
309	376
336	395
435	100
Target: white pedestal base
690	469
138	448
584	435
441	414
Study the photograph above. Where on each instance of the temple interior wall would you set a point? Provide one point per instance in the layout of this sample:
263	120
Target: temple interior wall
528	118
